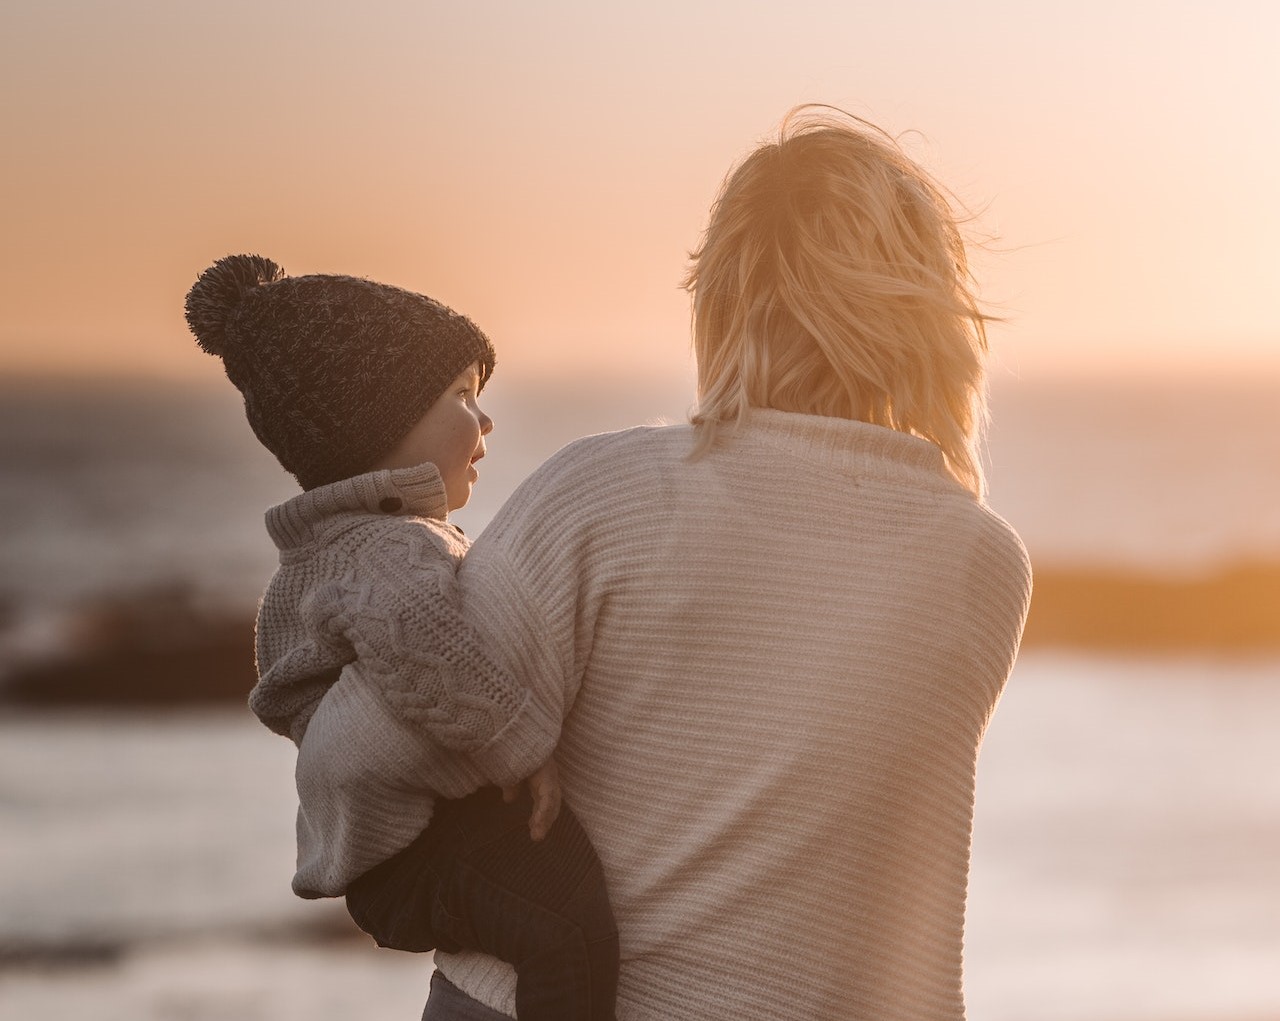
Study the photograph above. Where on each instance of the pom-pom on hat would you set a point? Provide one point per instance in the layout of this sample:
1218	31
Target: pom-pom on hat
334	370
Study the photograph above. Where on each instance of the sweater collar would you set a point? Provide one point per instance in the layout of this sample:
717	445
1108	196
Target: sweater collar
417	491
845	445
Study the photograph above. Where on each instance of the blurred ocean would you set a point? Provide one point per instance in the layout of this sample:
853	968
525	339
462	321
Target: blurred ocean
1127	846
1126	861
102	488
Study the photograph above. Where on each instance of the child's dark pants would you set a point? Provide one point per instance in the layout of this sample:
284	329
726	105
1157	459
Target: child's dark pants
474	880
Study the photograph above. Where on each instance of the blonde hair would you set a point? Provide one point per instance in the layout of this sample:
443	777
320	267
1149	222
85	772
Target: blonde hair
832	280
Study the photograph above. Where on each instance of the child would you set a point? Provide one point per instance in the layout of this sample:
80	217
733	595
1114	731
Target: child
367	394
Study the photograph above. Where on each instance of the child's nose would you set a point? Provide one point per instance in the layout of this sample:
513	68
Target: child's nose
486	424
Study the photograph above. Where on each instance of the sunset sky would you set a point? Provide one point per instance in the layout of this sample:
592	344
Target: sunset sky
546	167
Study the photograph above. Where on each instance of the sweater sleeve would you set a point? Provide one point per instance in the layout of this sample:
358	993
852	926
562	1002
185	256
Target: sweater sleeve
401	614
534	583
297	663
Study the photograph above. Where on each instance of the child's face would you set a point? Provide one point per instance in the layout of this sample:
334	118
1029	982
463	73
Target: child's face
450	435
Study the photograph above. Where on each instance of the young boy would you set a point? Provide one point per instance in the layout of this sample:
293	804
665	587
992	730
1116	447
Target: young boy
367	394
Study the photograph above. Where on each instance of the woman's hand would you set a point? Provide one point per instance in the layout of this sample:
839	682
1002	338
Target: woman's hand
544	788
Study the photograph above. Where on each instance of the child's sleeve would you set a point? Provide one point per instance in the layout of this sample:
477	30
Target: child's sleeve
298	656
401	614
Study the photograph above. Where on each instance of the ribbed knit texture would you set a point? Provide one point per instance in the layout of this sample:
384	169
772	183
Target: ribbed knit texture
366	582
776	664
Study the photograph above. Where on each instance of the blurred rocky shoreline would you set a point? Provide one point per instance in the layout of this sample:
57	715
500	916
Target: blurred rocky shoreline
1234	610
160	645
166	645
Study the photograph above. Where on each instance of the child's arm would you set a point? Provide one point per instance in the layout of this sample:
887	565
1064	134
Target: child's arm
400	613
298	655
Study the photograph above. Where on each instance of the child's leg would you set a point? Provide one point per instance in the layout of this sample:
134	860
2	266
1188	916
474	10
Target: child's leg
474	880
541	906
398	902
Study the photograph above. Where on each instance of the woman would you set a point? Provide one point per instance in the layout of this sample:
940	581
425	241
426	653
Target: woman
776	635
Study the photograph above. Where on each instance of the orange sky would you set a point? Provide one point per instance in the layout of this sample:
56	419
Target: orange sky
545	168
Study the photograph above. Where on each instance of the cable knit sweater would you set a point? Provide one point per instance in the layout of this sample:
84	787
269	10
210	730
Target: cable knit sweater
366	582
775	666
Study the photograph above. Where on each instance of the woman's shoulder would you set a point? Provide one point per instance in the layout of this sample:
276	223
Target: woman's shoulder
655	440
1001	530
1001	556
603	477
611	459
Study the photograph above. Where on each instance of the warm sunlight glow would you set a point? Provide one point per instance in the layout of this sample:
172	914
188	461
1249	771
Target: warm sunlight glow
547	170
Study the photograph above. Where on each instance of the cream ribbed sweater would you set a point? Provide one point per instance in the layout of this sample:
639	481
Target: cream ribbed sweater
777	664
366	582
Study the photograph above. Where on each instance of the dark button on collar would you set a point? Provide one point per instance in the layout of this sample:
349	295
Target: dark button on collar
390	504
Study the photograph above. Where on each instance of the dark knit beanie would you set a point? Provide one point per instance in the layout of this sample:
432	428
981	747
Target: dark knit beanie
334	370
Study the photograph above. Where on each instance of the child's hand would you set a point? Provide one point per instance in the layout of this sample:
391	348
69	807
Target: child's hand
544	788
